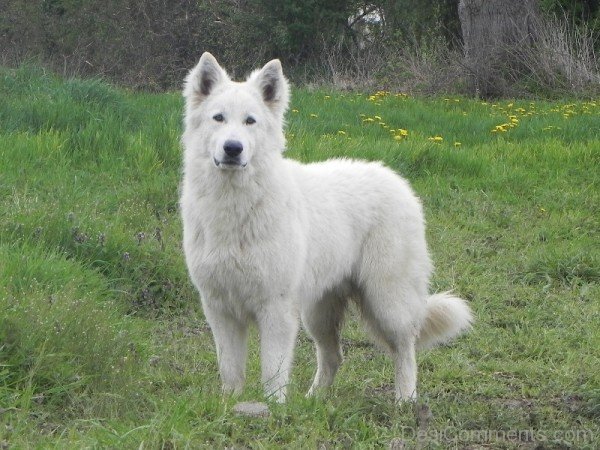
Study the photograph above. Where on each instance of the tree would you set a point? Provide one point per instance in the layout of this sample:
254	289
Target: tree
494	32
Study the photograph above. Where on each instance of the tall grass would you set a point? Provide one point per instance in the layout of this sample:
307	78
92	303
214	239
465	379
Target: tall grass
561	61
102	343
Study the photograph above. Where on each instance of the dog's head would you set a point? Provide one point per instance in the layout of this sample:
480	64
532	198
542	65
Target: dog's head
234	123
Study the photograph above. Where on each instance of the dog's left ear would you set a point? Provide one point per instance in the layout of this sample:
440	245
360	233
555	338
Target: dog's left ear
273	86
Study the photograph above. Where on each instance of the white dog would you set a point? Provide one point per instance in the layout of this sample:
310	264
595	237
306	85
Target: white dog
268	239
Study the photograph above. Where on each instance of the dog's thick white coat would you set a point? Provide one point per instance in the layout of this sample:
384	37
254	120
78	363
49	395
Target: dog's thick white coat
269	240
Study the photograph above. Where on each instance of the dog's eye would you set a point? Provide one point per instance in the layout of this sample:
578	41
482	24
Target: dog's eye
219	117
250	120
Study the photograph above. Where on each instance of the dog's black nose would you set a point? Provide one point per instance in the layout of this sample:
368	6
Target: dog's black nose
233	148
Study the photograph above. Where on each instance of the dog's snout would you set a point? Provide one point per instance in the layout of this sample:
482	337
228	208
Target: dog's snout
233	148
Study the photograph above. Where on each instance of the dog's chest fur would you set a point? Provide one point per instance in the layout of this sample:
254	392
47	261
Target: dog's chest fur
238	248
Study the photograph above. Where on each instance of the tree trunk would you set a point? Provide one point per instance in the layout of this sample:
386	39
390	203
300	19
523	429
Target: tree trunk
494	32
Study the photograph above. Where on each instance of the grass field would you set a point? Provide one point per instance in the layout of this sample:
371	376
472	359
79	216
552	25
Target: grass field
103	343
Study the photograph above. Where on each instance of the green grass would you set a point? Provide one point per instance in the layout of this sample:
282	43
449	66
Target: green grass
102	341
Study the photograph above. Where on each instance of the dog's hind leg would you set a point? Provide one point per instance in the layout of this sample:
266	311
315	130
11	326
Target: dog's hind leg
278	328
323	322
393	316
231	340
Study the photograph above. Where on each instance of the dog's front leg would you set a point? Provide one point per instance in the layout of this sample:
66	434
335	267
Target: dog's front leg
278	328
231	341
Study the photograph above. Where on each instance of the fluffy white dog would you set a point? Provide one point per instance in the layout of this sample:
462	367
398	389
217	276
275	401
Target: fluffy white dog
269	240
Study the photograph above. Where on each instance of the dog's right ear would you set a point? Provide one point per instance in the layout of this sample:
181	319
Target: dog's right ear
202	80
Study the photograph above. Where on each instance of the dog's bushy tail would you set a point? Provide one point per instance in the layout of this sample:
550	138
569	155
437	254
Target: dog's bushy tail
447	317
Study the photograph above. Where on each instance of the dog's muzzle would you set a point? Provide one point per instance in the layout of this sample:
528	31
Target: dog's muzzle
232	159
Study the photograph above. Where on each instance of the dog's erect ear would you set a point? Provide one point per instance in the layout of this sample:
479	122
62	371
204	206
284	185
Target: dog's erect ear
203	79
273	86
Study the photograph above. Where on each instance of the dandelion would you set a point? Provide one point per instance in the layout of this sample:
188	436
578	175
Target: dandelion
295	111
457	144
502	128
402	132
377	117
313	115
436	139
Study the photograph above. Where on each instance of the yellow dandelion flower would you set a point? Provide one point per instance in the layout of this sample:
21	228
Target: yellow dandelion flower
313	115
437	139
403	132
295	110
457	144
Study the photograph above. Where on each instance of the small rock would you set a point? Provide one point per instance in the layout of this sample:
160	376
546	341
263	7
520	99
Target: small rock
252	409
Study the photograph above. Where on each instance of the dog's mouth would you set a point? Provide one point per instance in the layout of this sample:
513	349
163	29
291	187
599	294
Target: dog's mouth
229	163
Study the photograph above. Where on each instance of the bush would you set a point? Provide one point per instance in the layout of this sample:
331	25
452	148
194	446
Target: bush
408	45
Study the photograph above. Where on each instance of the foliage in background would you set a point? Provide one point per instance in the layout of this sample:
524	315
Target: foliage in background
402	44
580	12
